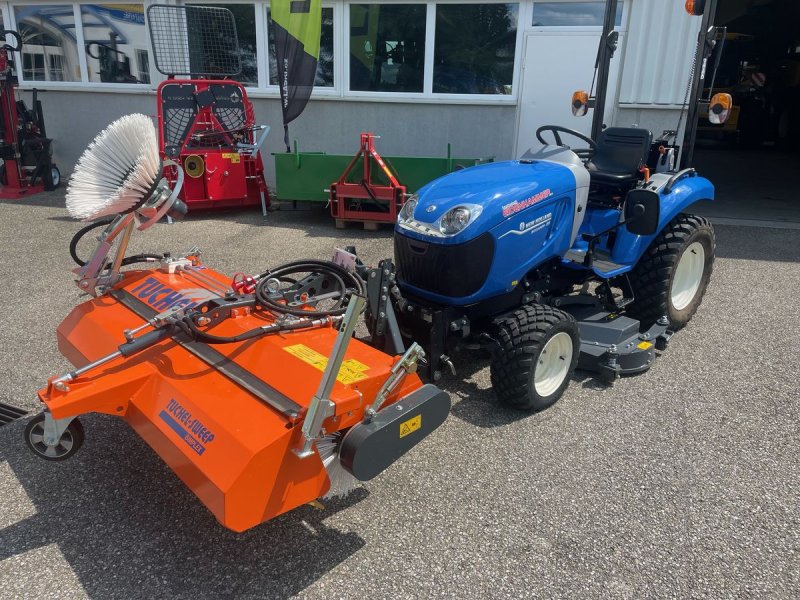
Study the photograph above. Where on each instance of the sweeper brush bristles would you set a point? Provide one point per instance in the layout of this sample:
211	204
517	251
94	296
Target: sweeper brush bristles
117	171
342	482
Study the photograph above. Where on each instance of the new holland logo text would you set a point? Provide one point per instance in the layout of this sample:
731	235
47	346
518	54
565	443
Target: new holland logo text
513	208
191	430
162	297
531	226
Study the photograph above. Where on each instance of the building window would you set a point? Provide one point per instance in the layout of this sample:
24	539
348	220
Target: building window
475	48
468	49
324	76
143	65
572	14
387	47
245	16
48	30
110	32
33	67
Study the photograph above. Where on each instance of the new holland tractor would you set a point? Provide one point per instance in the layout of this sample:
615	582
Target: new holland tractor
563	258
572	256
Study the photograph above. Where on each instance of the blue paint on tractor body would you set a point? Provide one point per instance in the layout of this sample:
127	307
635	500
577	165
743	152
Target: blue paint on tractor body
528	209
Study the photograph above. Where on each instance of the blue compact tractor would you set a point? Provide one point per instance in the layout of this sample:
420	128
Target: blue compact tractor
573	256
562	259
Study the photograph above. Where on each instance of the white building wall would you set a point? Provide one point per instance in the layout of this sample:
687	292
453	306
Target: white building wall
659	53
73	118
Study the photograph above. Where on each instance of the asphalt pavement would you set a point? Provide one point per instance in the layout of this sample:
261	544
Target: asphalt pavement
681	482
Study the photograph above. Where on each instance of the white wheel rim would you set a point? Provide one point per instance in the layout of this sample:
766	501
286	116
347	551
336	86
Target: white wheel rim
553	364
56	176
688	276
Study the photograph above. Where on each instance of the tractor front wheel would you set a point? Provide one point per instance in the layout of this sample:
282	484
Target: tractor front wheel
672	276
538	348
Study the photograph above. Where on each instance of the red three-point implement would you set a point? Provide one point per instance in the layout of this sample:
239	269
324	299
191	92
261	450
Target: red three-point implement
355	198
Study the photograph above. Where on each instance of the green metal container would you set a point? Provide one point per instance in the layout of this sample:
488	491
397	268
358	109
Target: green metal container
304	176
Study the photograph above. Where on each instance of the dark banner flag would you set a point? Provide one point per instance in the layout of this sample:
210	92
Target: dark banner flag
297	25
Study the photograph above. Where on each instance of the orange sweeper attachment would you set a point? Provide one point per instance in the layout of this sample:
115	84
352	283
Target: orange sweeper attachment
252	388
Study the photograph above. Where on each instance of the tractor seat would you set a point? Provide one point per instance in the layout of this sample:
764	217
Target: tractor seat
621	152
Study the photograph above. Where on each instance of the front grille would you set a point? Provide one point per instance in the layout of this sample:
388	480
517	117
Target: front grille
10	413
449	270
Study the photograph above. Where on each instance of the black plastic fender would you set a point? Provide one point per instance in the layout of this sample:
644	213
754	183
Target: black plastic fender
370	447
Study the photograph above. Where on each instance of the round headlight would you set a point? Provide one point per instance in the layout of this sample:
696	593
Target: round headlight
455	220
407	212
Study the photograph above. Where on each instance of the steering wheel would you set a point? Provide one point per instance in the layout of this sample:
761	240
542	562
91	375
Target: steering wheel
584	153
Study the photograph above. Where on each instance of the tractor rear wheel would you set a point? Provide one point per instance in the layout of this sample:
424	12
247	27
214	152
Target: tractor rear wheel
672	276
538	348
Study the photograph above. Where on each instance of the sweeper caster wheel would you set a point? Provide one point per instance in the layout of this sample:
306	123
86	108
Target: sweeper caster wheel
68	444
538	348
672	276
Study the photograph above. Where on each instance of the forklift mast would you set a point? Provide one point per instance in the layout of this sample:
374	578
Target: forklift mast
705	46
707	41
605	52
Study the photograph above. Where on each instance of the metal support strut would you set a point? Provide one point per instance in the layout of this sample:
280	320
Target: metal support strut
321	406
407	364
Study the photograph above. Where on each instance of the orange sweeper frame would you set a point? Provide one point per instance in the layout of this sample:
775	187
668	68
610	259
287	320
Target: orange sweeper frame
257	397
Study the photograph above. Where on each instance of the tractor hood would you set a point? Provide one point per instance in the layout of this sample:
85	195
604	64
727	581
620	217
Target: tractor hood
494	191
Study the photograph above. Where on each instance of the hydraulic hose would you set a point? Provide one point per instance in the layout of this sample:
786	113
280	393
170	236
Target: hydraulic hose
104	222
344	280
207	338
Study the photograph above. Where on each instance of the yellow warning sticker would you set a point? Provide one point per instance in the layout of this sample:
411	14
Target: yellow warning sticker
644	345
232	156
410	426
351	371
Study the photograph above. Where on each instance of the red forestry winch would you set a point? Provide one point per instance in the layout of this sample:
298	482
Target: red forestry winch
206	123
367	200
209	126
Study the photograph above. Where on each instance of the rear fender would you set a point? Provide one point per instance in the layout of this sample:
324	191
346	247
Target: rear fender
629	247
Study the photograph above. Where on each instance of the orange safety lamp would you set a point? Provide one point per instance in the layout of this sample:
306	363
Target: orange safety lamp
580	103
695	7
719	108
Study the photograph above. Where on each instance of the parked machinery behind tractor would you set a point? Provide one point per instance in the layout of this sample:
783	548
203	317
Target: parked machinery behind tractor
25	149
206	123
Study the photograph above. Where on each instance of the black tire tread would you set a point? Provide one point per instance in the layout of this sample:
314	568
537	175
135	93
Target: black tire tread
651	276
519	336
